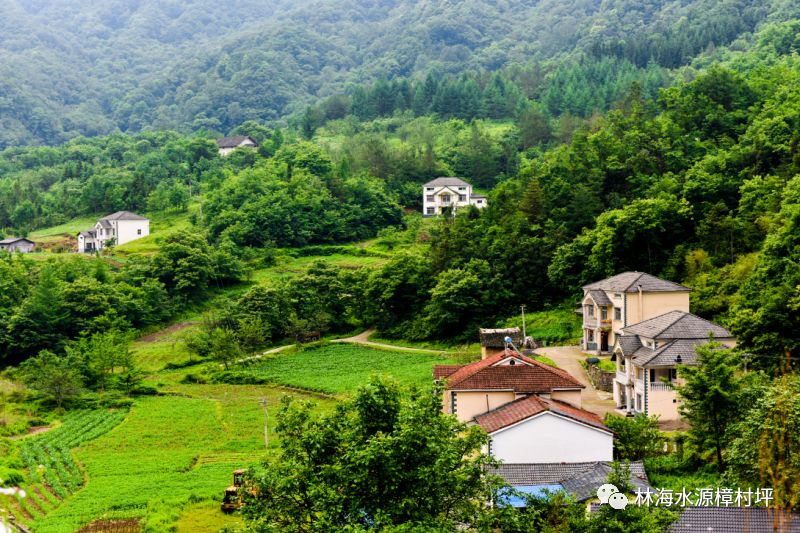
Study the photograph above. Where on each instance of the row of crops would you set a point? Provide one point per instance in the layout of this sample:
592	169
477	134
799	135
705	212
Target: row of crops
48	458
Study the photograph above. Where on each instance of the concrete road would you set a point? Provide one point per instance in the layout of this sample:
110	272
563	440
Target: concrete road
569	358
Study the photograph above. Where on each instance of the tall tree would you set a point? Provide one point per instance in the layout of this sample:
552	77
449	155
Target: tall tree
710	395
384	459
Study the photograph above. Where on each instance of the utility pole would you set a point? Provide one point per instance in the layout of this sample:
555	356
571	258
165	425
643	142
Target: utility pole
524	333
263	403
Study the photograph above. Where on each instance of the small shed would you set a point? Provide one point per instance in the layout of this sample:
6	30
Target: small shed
493	340
17	244
227	145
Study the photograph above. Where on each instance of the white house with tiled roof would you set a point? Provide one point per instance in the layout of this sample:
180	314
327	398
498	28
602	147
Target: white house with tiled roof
531	411
449	193
536	428
226	145
114	229
647	355
628	298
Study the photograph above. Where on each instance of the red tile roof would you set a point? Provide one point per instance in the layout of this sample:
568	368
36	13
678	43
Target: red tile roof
442	371
487	374
524	408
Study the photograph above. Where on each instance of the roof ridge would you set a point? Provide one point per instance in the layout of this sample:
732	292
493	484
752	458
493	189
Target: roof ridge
634	281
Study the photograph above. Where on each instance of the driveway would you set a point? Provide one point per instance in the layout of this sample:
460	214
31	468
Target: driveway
569	358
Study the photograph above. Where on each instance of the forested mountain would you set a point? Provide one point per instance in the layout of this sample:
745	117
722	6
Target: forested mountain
70	68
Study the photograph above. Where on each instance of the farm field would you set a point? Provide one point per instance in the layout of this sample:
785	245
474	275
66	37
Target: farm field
339	368
175	448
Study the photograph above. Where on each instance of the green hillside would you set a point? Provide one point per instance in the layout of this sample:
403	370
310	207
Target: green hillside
107	66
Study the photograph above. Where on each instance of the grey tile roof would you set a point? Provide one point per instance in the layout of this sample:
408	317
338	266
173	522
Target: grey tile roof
581	479
495	338
104	222
233	142
677	325
628	344
667	355
91	234
600	297
630	281
447	182
12	240
584	485
123	215
733	520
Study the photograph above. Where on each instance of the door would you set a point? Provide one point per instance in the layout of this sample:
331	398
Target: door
604	341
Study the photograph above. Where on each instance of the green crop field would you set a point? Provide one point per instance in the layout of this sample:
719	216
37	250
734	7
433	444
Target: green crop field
337	368
177	449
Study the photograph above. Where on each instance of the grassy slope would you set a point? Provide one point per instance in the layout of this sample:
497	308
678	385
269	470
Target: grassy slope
181	447
169	448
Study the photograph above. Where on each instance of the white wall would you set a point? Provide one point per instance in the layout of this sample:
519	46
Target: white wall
549	438
128	230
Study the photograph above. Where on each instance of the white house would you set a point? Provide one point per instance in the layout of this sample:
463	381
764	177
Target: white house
227	145
611	304
531	411
115	229
648	354
443	193
535	429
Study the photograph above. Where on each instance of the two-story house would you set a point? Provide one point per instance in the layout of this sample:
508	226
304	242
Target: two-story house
115	229
448	193
647	355
628	298
531	411
226	145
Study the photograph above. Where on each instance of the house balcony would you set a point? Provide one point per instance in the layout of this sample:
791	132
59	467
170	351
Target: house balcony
622	378
661	386
589	322
605	324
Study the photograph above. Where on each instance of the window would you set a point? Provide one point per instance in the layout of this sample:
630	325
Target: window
617	313
429	189
445	198
462	188
673	374
638	402
604	313
590	310
617	295
590	335
453	403
462	197
138	231
430	211
480	201
430	198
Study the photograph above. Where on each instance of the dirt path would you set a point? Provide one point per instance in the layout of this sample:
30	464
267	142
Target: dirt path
166	331
37	430
569	358
363	338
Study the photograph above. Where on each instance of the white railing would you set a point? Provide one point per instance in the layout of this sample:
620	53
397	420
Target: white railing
622	377
661	386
